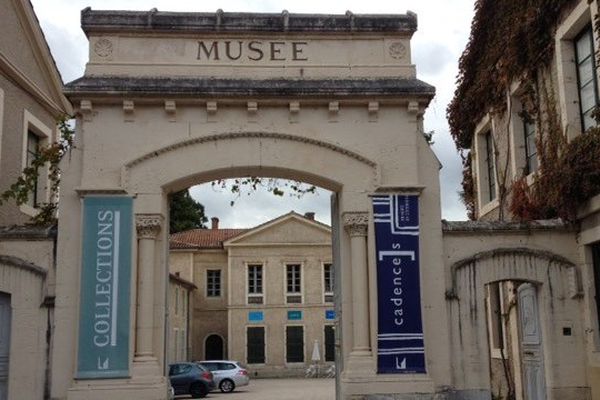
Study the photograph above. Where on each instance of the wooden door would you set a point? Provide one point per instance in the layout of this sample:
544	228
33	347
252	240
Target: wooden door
532	359
5	320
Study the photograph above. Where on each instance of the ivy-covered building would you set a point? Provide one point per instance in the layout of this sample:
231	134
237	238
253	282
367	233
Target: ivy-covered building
524	118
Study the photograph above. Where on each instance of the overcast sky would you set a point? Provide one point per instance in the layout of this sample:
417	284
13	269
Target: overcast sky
442	35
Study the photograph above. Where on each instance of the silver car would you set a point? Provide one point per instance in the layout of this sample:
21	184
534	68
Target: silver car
227	374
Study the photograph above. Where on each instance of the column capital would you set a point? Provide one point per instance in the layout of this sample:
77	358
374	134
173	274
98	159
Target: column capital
356	223
148	225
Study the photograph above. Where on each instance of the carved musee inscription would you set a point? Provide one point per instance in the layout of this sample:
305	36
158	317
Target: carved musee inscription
252	50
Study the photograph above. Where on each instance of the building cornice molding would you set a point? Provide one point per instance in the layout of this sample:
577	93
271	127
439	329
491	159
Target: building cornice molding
42	52
13	73
101	21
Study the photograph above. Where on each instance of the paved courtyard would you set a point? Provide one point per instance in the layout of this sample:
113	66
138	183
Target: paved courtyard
280	389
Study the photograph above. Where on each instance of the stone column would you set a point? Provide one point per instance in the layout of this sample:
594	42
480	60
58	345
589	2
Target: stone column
356	224
148	226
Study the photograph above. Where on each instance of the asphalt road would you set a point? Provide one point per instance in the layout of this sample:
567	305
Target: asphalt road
280	389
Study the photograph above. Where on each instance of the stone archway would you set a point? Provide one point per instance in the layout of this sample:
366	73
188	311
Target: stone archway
158	110
556	286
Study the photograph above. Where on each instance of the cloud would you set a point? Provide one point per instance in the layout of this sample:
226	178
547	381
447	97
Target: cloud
253	208
432	58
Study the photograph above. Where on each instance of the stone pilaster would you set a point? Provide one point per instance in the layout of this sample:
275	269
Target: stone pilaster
148	227
356	224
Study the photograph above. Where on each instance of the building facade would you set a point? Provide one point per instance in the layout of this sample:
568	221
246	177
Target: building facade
265	295
522	145
31	102
180	293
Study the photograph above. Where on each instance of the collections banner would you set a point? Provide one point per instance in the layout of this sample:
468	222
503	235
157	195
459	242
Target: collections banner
401	348
105	288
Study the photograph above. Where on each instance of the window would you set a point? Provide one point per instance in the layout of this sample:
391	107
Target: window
182	345
255	342
176	344
294	344
587	84
531	158
328	282
32	153
490	165
213	283
176	300
329	343
293	283
497	334
255	284
596	266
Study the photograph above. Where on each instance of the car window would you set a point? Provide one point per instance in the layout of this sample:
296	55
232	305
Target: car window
227	366
211	366
178	369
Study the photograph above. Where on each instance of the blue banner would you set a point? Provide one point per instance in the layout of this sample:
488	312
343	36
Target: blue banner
294	315
256	316
401	348
105	288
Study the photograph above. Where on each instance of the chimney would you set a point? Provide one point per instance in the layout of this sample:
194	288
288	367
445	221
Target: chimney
215	223
310	216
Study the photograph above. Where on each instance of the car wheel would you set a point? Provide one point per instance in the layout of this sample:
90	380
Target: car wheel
226	386
198	390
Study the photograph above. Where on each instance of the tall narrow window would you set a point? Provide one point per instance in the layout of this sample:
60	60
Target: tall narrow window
328	282
490	165
255	345
329	343
293	283
33	145
596	262
213	283
586	77
294	344
530	146
255	284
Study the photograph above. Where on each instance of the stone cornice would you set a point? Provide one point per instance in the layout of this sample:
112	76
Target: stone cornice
148	225
20	79
23	264
100	21
199	87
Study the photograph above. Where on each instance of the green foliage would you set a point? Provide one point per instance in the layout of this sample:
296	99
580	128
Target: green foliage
275	186
185	213
49	156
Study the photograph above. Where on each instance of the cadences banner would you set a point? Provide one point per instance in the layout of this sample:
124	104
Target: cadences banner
400	342
105	288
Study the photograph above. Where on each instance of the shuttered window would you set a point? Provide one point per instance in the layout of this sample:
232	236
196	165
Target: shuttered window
586	77
255	339
294	336
329	343
596	261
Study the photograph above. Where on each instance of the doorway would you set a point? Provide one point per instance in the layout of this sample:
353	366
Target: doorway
213	348
5	324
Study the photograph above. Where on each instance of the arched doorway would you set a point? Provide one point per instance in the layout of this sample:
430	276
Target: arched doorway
502	305
167	113
214	348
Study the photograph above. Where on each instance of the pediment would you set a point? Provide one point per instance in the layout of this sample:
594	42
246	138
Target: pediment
291	228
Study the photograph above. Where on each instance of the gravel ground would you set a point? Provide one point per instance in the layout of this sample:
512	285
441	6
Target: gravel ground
279	389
